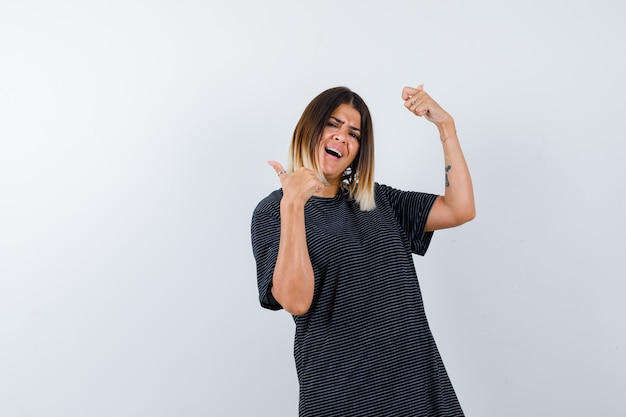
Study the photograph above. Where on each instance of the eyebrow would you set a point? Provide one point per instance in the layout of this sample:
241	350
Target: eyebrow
341	122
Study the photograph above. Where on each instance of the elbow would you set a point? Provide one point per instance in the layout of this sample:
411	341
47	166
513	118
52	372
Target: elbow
466	215
297	308
452	213
471	214
293	304
469	211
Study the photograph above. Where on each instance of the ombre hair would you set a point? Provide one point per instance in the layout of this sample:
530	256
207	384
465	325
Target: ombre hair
358	179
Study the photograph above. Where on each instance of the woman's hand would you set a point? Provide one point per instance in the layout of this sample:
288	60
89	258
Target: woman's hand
299	185
419	102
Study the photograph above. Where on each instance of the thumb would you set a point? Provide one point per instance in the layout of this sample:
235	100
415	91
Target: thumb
276	165
408	92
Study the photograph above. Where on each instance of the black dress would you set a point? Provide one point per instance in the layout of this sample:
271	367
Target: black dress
364	348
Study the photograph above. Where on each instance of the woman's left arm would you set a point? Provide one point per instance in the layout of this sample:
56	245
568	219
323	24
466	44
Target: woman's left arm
456	206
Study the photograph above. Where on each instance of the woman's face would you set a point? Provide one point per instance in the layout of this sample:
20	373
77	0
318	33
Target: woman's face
340	142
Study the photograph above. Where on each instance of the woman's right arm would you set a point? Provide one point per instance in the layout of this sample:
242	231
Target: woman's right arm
293	281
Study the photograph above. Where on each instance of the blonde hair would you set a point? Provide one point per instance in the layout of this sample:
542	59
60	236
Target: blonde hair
358	179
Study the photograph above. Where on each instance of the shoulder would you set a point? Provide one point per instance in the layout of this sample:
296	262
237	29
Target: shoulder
401	198
271	203
382	191
388	191
382	188
266	217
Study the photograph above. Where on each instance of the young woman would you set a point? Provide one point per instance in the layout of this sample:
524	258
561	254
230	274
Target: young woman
333	248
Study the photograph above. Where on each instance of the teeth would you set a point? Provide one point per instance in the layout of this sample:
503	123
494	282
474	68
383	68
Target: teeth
334	152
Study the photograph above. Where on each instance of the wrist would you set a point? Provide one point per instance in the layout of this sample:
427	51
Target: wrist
290	205
451	135
446	131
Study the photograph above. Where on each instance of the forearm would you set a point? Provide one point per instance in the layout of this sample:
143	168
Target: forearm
459	193
293	279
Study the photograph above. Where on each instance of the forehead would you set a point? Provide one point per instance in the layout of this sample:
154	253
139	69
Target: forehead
349	114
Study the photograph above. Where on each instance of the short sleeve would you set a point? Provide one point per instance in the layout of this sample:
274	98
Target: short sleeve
411	211
265	236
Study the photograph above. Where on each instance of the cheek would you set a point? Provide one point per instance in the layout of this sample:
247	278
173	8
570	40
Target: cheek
354	150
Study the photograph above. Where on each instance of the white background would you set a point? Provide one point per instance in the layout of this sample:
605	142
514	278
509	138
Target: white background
134	137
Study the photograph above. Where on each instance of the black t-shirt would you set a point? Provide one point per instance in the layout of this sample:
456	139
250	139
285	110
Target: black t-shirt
364	348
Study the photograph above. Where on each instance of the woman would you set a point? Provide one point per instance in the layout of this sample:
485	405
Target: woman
333	248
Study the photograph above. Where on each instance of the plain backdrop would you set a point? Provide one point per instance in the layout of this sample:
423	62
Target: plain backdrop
134	137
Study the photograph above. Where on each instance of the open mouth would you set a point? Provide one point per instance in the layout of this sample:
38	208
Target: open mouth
333	152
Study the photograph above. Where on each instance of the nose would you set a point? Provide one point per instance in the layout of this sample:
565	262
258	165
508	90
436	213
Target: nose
340	137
